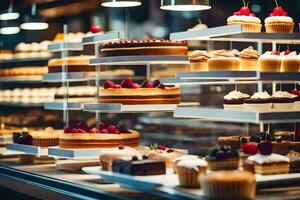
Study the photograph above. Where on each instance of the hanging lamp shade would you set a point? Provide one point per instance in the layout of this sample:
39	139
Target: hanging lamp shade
9	14
185	5
9	27
34	21
120	3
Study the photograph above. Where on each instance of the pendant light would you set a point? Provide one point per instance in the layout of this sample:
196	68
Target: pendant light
9	27
9	14
185	5
34	21
120	3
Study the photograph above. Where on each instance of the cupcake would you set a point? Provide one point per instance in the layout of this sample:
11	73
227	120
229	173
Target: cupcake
269	62
234	100
279	21
297	98
249	59
290	61
283	101
228	185
232	141
222	158
259	102
224	60
248	20
189	172
198	60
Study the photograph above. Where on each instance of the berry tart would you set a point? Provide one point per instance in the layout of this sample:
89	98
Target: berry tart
297	98
198	60
131	93
259	102
74	63
248	20
222	158
269	62
267	162
223	60
290	61
283	101
235	100
278	21
249	59
144	47
106	136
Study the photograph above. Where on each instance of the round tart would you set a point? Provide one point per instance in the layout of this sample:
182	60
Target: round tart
74	63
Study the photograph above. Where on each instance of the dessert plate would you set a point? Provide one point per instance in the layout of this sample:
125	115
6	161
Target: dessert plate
27	149
74	153
277	180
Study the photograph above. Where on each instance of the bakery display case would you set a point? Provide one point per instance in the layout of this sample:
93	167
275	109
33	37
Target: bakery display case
116	113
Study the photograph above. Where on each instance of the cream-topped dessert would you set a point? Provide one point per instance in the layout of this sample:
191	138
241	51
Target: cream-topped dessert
259	102
270	62
74	63
283	101
234	100
223	60
198	60
249	59
297	98
290	61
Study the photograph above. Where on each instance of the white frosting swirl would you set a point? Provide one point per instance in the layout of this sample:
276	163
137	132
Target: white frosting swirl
236	95
194	163
276	19
244	19
283	94
261	159
261	95
292	54
269	55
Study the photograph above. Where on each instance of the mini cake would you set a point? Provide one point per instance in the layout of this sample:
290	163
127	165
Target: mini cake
159	152
267	162
294	161
198	60
232	141
228	185
74	63
297	98
224	60
259	102
189	172
222	158
279	21
144	47
280	146
283	101
136	167
235	100
249	59
46	138
248	20
107	136
108	156
184	157
269	62
131	93
290	61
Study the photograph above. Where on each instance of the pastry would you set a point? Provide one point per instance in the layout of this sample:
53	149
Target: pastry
294	161
269	62
248	20
184	157
77	93
107	136
222	158
232	141
283	101
45	138
130	92
228	185
278	21
168	155
297	99
198	60
258	102
189	172
121	152
280	146
249	59
136	167
74	63
224	60
290	61
144	47
235	100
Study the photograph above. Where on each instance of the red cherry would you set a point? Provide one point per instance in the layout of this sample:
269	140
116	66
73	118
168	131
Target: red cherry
170	151
147	84
161	147
117	86
287	52
278	11
117	132
121	146
250	148
68	129
295	92
74	130
237	13
156	83
135	86
104	131
276	53
285	13
109	84
252	15
95	29
94	130
162	86
111	128
83	126
245	11
271	15
81	130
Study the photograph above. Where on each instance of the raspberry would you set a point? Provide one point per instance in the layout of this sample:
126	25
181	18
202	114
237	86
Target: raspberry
126	83
161	147
111	128
68	129
109	84
135	86
250	148
104	131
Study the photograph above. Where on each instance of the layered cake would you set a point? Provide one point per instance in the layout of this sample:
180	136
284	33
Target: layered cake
234	100
259	102
74	63
144	47
131	93
24	71
283	101
106	136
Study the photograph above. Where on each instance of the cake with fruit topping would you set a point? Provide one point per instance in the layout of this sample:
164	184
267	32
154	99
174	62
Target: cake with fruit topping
248	20
144	47
106	136
278	21
270	62
283	101
259	102
130	92
290	61
74	63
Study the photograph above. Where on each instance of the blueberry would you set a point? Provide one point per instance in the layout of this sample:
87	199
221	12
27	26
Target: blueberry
145	157
135	158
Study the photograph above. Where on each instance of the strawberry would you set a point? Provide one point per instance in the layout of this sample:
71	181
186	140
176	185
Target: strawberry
245	11
95	29
109	84
147	84
250	148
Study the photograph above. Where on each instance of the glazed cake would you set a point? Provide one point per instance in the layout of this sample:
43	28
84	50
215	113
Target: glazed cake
105	137
131	93
74	63
144	47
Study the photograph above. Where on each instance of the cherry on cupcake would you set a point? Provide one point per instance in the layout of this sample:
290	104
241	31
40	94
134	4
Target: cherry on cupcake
276	53
250	148
287	52
109	84
245	10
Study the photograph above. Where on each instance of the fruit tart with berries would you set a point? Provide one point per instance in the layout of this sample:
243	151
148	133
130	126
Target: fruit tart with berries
248	20
105	136
278	21
222	158
129	92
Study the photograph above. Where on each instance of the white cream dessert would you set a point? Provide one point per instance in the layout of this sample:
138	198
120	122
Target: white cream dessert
269	62
235	100
259	102
283	101
223	60
290	61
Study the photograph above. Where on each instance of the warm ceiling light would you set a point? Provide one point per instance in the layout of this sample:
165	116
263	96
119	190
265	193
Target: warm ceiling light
33	21
185	5
9	14
9	27
120	3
